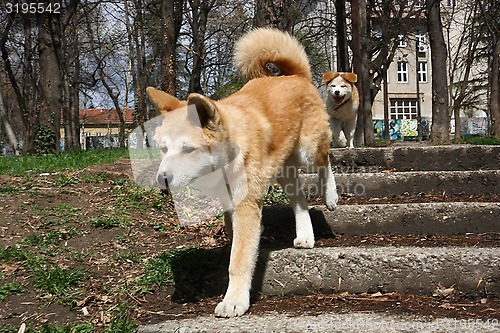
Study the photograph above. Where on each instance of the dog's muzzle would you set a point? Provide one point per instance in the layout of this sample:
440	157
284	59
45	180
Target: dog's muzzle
164	180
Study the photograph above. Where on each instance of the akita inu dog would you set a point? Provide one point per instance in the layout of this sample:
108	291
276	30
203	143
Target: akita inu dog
276	122
342	105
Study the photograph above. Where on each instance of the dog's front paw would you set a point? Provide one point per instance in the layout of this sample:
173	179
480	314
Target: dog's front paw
228	308
303	242
331	200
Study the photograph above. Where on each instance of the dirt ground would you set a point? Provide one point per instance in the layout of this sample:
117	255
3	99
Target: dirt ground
96	221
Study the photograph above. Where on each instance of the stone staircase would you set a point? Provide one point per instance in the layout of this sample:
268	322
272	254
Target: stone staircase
409	171
458	174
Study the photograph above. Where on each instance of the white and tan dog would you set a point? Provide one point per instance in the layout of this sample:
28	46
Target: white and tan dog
342	104
277	124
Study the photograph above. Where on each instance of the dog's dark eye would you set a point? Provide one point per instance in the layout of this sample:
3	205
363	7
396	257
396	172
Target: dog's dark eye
164	149
188	149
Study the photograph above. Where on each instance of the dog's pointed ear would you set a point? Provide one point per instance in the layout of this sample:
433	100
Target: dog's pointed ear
164	101
328	76
351	77
206	109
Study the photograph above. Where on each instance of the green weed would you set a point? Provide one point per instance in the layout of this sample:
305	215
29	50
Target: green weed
23	165
64	180
121	322
49	238
10	190
51	328
276	196
8	289
108	222
57	281
479	140
94	178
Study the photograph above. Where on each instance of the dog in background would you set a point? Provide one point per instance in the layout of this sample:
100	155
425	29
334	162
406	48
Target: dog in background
342	104
279	125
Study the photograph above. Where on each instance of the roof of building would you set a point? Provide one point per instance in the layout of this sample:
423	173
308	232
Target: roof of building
104	116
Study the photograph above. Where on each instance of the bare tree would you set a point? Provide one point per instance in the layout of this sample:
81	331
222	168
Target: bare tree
490	12
282	14
198	22
440	113
8	128
171	21
467	86
48	121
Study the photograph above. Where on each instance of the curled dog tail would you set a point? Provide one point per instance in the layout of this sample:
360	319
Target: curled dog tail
270	52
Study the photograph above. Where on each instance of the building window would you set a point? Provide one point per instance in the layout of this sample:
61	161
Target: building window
402	72
403	108
402	41
422	72
421	39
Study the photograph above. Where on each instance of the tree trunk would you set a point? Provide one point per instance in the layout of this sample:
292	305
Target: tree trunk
199	10
114	97
8	129
440	114
140	48
495	90
279	14
21	99
171	20
48	123
357	64
342	52
369	136
71	78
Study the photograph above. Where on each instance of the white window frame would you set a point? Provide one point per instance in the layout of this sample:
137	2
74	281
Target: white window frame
402	41
421	39
403	108
402	72
422	72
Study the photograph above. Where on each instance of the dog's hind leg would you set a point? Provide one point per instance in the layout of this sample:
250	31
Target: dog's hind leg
327	184
292	186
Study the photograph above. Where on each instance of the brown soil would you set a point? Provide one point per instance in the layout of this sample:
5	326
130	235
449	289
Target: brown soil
114	258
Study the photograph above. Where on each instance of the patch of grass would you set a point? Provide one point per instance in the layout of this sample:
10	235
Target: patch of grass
121	322
94	178
108	222
57	281
8	289
8	189
479	140
65	180
49	238
79	328
10	254
51	328
276	196
23	165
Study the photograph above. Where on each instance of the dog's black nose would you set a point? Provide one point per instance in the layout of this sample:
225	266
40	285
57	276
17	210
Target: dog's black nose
337	93
164	180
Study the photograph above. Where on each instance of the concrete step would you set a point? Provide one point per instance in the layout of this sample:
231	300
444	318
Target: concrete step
417	157
383	184
351	322
444	218
417	270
